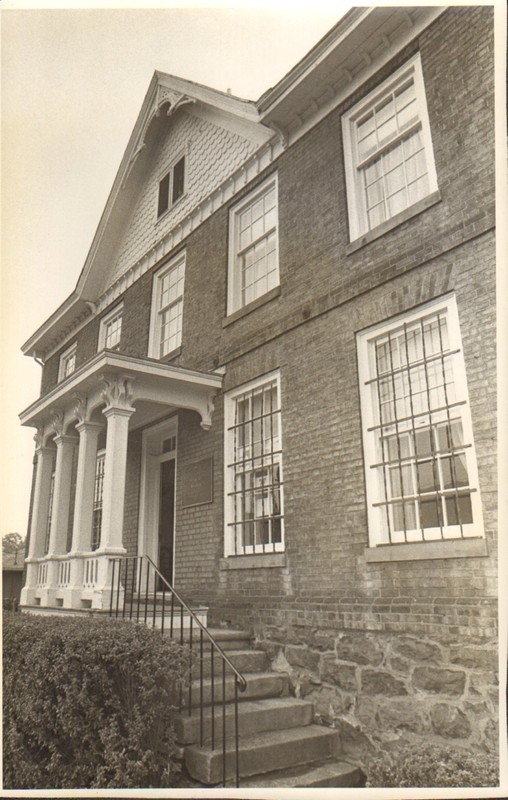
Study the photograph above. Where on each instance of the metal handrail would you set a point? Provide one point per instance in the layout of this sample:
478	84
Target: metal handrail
124	605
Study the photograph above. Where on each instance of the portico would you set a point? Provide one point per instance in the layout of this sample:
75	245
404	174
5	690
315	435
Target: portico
78	510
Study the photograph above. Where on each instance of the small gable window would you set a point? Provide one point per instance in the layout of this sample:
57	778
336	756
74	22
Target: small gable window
171	186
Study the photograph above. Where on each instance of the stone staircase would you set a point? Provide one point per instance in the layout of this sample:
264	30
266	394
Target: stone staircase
279	746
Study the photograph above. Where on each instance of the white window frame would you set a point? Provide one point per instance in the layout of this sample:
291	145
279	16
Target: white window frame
374	480
235	301
111	316
232	547
154	342
170	173
357	212
65	357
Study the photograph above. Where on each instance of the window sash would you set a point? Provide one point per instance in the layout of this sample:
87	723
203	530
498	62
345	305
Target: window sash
421	474
167	309
171	187
98	500
388	150
254	269
67	363
254	470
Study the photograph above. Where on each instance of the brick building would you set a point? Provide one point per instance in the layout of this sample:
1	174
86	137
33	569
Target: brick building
276	375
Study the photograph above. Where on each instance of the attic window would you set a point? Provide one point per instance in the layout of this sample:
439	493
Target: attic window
171	186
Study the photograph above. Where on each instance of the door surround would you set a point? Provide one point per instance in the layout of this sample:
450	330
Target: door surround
152	455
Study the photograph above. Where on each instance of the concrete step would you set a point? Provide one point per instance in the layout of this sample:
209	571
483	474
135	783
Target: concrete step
325	774
259	684
262	753
226	638
243	660
254	716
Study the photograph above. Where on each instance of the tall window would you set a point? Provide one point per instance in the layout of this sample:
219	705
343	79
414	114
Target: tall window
97	499
420	465
388	150
67	362
254	502
167	308
50	511
110	331
171	186
253	260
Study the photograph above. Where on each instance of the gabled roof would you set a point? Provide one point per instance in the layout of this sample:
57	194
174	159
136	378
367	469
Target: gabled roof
166	94
362	41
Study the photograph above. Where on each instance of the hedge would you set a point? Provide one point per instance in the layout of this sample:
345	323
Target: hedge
433	765
88	703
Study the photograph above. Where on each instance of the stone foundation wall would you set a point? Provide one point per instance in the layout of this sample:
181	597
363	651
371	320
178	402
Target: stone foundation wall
380	689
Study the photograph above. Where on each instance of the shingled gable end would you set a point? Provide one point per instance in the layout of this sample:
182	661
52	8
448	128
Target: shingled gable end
276	379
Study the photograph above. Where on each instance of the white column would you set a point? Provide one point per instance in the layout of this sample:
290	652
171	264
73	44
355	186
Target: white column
40	507
60	514
118	411
83	510
115	464
61	494
85	481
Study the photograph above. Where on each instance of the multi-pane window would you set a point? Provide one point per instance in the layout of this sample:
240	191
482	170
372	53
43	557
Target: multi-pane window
67	362
254	268
111	329
171	186
254	502
50	511
97	499
167	308
388	150
420	468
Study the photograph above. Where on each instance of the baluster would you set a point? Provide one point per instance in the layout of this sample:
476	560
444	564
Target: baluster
201	687
154	597
133	585
113	561
118	582
190	665
223	722
212	673
140	568
163	608
146	590
172	615
237	755
125	586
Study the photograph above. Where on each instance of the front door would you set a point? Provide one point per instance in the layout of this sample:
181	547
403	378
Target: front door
166	518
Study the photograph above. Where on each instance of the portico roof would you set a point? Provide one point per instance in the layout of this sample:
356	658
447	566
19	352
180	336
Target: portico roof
150	383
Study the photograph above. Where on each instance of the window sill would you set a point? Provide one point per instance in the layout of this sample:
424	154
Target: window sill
172	354
394	222
259	301
418	551
256	561
171	208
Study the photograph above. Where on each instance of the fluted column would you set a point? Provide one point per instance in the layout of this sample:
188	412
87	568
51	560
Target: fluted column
61	494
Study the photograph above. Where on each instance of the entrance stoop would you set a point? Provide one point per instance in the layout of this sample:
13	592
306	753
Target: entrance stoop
278	743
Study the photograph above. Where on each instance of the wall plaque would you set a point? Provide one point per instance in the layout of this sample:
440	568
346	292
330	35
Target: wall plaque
197	483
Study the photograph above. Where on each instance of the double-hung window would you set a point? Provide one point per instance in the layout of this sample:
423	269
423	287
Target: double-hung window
253	245
420	466
388	150
98	499
167	308
67	362
254	499
111	329
171	186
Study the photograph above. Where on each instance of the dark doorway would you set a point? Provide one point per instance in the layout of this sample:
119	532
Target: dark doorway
167	518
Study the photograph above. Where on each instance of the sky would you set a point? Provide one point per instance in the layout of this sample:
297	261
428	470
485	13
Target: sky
73	81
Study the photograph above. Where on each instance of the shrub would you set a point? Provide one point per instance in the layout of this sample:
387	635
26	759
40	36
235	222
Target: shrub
88	703
431	765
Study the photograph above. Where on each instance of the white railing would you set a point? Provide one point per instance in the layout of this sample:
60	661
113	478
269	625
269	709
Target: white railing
42	574
91	572
64	574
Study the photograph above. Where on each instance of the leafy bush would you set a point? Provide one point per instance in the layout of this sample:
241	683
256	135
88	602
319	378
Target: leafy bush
430	765
88	703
